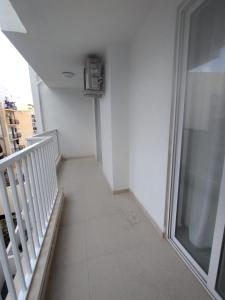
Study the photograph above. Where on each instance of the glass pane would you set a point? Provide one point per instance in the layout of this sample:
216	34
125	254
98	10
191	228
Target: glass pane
203	140
220	285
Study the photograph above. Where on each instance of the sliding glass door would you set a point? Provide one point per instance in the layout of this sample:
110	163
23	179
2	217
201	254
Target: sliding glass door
220	283
200	141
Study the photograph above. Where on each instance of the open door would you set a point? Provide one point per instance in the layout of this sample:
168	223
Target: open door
198	215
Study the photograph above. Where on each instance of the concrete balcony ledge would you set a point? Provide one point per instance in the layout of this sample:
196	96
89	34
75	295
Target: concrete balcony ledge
40	278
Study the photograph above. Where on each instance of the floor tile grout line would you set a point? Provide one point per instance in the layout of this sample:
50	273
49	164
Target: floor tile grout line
86	257
116	251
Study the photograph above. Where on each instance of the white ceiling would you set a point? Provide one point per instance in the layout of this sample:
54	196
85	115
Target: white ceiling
8	18
60	33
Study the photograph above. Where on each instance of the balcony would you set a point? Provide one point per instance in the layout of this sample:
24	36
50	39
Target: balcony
108	249
157	132
29	197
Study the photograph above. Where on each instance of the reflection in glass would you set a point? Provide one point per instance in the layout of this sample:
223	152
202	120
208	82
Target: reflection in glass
220	285
203	138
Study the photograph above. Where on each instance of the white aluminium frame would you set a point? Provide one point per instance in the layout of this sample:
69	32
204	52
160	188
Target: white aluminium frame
179	91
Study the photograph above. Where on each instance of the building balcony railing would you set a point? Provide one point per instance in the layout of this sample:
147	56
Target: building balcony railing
27	196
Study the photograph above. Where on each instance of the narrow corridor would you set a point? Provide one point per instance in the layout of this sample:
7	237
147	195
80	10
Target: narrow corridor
108	250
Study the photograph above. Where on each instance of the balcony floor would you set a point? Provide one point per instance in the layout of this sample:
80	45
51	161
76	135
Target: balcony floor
108	250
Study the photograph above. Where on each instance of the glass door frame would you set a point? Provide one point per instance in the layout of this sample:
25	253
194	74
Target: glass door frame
217	241
179	91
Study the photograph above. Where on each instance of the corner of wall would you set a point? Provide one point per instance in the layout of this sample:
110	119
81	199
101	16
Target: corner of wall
114	117
36	100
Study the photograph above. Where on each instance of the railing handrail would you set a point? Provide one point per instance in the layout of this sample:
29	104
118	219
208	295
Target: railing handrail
53	133
5	162
44	133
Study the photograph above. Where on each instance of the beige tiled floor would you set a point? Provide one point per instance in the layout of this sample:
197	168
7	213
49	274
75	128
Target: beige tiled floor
108	250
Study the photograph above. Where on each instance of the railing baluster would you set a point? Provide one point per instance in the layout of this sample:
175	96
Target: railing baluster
42	184
48	175
45	184
57	143
11	230
51	177
29	196
34	193
55	146
38	190
51	170
19	218
25	209
54	172
6	268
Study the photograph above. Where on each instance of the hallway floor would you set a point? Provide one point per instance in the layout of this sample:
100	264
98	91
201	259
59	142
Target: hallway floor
108	250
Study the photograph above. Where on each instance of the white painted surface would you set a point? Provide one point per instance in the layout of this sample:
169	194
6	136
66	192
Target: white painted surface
98	142
150	104
51	50
106	126
35	166
114	117
9	19
119	93
34	82
61	33
73	115
55	141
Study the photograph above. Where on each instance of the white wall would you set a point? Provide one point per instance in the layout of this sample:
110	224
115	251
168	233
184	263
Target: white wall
114	118
119	56
73	115
34	82
106	125
150	104
135	112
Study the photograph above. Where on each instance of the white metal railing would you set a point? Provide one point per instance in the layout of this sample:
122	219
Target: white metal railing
30	191
54	134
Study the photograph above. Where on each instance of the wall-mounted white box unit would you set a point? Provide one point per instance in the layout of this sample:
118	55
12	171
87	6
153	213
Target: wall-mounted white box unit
93	76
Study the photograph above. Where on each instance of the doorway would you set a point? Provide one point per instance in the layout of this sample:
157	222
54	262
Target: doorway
198	184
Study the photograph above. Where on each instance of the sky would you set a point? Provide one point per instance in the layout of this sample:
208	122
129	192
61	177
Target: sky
216	65
14	75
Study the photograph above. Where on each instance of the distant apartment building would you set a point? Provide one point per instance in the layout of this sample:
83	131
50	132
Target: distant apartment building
25	125
16	127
